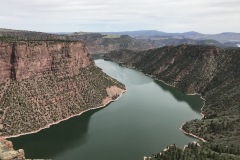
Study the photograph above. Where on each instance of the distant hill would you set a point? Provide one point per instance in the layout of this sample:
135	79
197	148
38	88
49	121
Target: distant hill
137	33
142	34
98	43
150	33
105	42
177	41
221	37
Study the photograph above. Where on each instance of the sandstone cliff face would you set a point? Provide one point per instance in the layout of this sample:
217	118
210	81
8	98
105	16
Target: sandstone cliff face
30	59
43	82
5	58
210	71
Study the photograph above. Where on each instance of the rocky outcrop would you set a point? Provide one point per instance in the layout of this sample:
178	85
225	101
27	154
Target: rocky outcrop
44	82
207	70
8	153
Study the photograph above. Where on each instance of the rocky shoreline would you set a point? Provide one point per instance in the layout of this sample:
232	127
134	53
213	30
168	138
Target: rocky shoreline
191	134
8	153
201	113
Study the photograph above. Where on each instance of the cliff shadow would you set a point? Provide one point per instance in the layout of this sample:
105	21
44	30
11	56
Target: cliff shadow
194	101
55	140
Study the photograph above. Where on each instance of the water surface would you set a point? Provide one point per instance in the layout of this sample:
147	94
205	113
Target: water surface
143	121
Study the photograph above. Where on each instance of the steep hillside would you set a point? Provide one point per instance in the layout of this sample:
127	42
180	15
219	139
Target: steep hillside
44	82
210	71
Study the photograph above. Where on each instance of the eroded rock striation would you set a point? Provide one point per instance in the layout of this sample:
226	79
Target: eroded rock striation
44	82
210	71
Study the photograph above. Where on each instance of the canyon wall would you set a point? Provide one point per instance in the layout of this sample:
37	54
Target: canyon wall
44	82
210	71
22	60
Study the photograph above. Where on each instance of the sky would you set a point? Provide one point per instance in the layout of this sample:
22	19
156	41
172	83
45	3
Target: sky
205	16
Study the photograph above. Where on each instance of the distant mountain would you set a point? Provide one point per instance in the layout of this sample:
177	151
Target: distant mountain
222	37
61	33
191	33
99	43
106	42
137	33
142	34
177	41
150	33
225	37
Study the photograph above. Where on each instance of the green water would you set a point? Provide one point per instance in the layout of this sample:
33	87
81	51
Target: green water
143	121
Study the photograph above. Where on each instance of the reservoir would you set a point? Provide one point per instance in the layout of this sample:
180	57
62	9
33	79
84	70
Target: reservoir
142	122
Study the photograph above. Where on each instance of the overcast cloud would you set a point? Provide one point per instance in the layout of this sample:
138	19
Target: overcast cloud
120	15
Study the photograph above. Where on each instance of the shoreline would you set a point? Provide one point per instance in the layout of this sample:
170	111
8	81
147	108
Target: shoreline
191	134
50	124
201	113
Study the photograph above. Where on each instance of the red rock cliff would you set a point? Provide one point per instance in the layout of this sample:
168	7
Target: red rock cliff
29	59
5	65
44	82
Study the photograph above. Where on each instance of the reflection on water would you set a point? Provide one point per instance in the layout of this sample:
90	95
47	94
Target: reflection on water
194	101
143	121
123	74
65	135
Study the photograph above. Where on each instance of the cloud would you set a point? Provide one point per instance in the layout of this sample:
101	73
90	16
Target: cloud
118	15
